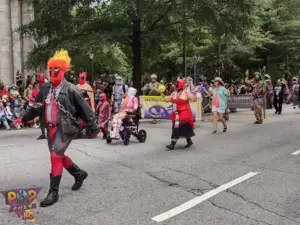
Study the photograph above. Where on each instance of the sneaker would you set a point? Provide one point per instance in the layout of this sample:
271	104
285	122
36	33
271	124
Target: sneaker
35	126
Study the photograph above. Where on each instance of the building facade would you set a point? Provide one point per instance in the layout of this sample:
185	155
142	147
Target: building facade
13	48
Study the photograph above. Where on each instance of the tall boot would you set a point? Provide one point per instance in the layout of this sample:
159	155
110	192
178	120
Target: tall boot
52	196
189	143
171	146
79	175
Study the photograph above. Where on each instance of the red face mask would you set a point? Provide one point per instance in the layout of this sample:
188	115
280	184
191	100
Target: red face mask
103	97
82	78
179	85
56	75
41	78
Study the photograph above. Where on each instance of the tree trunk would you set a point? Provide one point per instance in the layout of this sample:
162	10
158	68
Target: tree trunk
137	54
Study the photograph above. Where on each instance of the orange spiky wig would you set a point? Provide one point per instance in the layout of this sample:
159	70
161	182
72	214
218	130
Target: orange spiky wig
58	65
60	60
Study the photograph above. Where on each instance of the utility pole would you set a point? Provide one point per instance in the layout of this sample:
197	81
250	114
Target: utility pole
184	37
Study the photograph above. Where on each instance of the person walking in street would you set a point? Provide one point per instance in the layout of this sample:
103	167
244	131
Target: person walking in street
295	92
270	92
219	103
279	91
61	103
182	116
258	94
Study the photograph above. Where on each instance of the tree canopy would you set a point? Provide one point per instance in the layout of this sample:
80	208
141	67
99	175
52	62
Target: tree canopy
135	38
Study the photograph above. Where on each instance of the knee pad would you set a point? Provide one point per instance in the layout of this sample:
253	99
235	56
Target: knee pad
56	164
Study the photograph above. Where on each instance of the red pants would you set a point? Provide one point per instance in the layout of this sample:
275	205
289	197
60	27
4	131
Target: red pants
57	147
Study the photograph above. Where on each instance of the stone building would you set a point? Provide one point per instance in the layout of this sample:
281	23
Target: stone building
13	48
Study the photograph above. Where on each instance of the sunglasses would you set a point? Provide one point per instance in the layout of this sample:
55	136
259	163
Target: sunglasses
55	71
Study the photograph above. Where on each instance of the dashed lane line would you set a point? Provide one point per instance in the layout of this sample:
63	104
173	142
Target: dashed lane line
296	152
195	201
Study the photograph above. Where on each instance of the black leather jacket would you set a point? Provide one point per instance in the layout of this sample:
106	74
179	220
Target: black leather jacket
71	98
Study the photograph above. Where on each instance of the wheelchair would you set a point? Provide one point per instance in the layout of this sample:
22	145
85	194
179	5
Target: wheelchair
130	127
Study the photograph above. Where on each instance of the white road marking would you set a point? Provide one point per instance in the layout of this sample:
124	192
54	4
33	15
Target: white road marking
195	201
296	152
6	145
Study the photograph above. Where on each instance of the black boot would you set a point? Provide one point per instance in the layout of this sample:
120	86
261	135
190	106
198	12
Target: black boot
172	145
189	143
79	175
41	137
104	136
52	196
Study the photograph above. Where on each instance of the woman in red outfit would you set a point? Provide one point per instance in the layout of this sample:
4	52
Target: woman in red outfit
182	116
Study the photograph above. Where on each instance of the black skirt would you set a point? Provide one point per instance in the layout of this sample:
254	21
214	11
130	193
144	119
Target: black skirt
184	130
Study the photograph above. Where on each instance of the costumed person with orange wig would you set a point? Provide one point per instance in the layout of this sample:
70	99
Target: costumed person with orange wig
63	105
182	116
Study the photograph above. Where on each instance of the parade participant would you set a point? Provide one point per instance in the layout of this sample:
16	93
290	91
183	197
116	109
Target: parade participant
286	95
270	92
87	90
104	111
295	92
41	81
62	104
130	104
150	89
278	96
189	85
119	90
182	116
258	94
219	103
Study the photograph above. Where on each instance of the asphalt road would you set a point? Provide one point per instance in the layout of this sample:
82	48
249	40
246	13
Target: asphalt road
246	176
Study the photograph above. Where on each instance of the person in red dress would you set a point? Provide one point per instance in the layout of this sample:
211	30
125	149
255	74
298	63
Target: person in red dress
182	116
